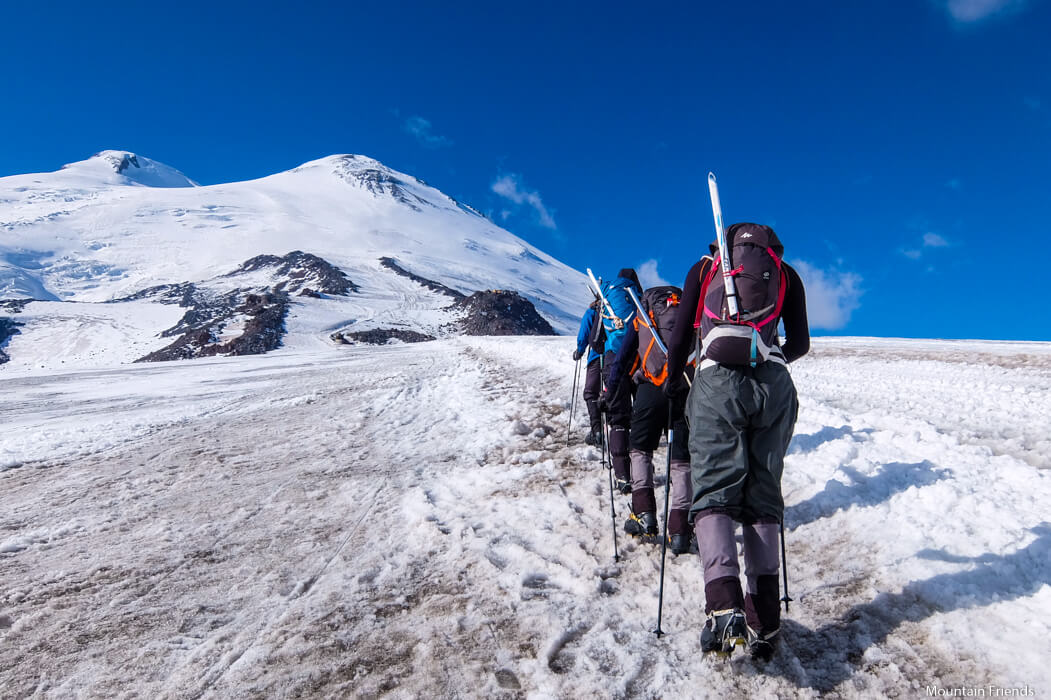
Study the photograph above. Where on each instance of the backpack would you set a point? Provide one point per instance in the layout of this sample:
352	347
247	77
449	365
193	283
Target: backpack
597	337
661	305
623	307
760	280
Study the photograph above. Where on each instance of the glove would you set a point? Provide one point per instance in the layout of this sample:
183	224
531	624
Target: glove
603	401
675	388
577	355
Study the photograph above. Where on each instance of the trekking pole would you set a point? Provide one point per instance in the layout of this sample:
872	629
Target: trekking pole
612	509
609	470
572	401
664	541
784	565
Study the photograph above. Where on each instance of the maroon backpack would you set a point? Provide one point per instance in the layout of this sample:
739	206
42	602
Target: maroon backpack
750	337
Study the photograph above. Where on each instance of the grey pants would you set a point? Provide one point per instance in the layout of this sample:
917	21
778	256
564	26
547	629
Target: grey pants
741	421
722	572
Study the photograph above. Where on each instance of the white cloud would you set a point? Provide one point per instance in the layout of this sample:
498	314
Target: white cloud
969	11
509	187
649	277
933	240
929	240
831	296
421	129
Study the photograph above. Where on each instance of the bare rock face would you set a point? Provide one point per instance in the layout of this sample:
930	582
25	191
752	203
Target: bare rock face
263	329
208	329
8	328
380	336
300	272
248	319
499	312
124	162
15	306
392	265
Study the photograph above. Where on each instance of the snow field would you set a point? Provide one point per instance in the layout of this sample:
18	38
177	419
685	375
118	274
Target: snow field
408	521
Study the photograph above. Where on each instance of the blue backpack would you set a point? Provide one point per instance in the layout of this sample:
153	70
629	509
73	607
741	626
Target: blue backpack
624	310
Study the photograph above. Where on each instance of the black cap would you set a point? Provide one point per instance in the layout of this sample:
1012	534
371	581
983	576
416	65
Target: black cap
629	273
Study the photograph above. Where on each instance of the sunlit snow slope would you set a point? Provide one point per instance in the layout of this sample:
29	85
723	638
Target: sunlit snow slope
118	223
409	521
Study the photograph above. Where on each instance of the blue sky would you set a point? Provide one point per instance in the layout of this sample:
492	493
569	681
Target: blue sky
898	148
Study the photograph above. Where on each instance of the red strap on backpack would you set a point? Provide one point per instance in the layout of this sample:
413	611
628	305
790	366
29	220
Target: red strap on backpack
782	289
705	281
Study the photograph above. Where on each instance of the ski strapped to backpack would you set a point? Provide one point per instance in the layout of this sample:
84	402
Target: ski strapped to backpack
653	352
618	323
742	294
720	236
611	304
597	337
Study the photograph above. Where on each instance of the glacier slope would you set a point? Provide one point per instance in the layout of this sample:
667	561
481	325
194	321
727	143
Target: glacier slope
408	520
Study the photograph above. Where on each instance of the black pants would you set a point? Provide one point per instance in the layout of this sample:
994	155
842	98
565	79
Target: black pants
592	387
649	418
618	418
618	405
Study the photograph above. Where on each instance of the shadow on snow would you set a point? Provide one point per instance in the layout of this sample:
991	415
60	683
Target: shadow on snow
892	478
834	652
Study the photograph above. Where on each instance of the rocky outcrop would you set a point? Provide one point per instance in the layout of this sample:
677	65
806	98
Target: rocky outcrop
301	272
182	294
258	320
499	312
392	265
8	328
380	336
125	161
15	306
249	319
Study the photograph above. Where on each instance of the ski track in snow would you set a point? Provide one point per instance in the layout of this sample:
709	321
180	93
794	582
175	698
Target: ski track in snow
407	521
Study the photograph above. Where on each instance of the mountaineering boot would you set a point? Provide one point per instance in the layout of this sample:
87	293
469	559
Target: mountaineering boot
762	645
642	524
723	630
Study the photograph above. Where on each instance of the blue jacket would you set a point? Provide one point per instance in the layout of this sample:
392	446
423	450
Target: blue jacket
623	307
587	325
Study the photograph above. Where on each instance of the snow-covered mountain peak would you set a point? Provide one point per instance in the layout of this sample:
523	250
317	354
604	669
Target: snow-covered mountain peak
130	169
102	233
342	163
372	176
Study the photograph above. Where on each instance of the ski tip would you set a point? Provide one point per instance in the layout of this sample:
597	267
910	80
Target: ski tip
711	176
